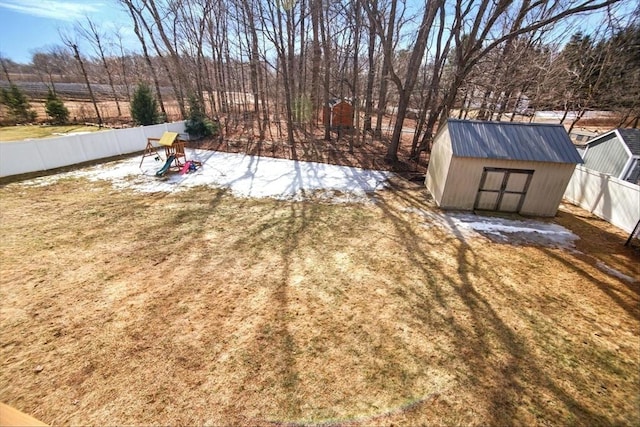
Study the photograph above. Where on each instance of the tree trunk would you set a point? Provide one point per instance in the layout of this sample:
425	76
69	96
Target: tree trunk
439	60
184	84
152	70
76	54
316	54
387	50
93	36
254	61
354	84
411	77
123	67
5	70
327	75
368	105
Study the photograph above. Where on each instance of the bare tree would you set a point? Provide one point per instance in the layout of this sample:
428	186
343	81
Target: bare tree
485	20
122	61
154	20
257	85
4	68
429	109
261	57
92	34
280	17
44	66
72	44
387	37
139	24
405	85
357	19
326	50
371	68
316	55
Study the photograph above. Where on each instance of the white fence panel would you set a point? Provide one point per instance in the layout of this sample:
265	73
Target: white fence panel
130	140
98	146
61	151
612	199
20	157
175	127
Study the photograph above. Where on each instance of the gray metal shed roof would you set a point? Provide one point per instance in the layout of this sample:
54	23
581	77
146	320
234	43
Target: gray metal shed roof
631	137
512	141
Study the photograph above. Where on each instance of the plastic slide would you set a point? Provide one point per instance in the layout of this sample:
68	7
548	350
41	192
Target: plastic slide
185	168
166	166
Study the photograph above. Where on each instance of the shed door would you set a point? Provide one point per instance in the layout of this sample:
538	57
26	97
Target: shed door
503	189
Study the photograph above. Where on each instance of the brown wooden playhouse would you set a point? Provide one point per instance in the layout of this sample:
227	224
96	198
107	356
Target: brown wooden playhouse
338	113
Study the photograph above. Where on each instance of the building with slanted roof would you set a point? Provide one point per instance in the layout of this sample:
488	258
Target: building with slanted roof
339	114
616	153
500	166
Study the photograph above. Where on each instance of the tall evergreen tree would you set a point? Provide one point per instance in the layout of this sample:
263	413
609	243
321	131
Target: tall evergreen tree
197	124
144	107
19	109
56	109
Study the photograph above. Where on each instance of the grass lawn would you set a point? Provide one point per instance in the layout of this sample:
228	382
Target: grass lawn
19	133
198	307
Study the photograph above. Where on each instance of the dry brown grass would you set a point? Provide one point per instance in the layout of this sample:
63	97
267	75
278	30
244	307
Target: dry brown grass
20	133
201	308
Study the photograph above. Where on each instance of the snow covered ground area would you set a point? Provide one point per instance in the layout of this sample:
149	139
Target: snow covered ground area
498	229
244	175
604	267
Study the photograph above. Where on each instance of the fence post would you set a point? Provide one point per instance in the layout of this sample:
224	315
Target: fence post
633	233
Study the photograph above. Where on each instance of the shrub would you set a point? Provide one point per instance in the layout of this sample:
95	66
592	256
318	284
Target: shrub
197	124
144	107
19	109
55	109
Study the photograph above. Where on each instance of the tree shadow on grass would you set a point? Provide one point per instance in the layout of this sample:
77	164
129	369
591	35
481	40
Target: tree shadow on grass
490	359
486	357
600	246
500	365
600	239
625	294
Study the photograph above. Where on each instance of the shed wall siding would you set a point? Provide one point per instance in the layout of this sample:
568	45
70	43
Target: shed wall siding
545	192
608	156
547	189
438	169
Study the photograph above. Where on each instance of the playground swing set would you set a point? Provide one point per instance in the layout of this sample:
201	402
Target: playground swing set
176	158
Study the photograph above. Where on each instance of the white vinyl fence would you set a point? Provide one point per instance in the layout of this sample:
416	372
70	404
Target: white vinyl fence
612	199
20	157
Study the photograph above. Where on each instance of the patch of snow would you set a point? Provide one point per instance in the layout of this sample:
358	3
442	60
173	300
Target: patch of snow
70	133
504	230
244	175
604	267
570	115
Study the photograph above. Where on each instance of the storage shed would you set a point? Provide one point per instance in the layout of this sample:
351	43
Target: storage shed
498	166
339	114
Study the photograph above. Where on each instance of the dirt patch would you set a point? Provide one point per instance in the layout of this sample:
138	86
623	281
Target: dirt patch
201	308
